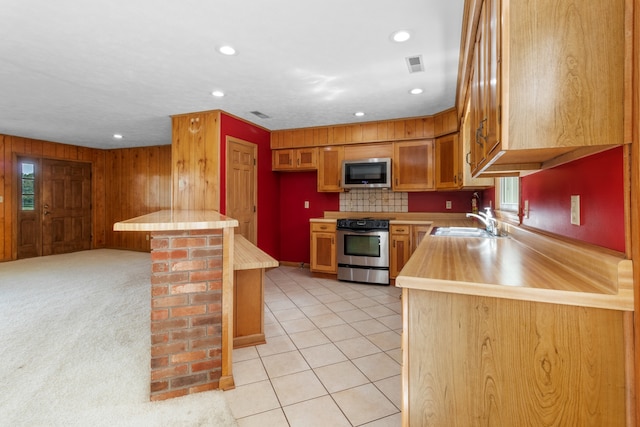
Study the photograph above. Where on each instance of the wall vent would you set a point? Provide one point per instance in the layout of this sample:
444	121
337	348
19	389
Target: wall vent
261	115
415	64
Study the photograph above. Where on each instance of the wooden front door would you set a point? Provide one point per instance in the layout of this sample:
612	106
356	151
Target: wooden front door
55	217
241	186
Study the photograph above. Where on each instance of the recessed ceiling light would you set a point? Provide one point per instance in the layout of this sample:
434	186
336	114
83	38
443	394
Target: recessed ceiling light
217	93
227	50
359	114
401	36
416	91
117	136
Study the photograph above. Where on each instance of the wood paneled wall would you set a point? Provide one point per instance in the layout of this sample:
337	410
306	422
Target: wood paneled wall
10	148
125	183
196	161
138	182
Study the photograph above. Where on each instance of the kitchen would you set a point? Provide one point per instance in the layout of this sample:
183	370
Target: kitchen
544	190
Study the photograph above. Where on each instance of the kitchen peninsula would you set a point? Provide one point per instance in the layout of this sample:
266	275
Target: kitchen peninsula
506	331
193	296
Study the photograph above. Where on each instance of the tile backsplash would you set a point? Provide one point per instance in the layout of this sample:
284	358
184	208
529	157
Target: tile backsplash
373	200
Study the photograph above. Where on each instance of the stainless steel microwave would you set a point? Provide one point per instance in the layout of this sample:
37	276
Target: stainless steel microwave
367	173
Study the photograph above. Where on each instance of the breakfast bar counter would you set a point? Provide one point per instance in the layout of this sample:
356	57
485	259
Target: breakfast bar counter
192	301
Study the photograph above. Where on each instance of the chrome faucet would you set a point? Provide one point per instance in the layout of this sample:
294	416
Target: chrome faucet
490	223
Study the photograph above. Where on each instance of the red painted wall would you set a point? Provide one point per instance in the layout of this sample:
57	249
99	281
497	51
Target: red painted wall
268	182
599	181
295	189
436	201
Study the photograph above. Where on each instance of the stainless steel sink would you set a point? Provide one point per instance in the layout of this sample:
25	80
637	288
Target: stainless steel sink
461	232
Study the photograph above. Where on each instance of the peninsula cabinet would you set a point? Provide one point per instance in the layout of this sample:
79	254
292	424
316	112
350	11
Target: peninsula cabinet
295	159
330	168
413	165
323	247
548	79
482	361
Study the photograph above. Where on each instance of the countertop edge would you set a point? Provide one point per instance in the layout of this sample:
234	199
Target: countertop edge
623	300
176	220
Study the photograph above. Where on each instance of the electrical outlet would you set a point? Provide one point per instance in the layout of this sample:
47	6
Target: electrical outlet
575	209
1	199
306	204
448	204
526	209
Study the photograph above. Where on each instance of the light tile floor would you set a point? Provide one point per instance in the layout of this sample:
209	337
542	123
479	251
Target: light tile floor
332	356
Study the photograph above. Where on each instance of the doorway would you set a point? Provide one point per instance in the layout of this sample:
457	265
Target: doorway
241	186
53	207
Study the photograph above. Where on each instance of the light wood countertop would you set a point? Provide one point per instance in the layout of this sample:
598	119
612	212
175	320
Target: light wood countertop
174	220
507	268
247	256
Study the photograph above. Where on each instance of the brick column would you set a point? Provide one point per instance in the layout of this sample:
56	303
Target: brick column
186	312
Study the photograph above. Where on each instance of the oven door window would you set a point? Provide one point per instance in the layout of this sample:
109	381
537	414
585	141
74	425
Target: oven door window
355	245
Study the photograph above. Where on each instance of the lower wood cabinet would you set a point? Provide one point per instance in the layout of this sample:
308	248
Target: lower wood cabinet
323	248
399	248
404	239
481	361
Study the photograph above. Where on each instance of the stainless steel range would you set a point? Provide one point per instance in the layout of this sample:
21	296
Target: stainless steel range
363	250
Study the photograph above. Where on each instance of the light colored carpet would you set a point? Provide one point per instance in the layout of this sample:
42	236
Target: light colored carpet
75	346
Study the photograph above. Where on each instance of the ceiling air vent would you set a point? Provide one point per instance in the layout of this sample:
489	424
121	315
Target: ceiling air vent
261	115
415	63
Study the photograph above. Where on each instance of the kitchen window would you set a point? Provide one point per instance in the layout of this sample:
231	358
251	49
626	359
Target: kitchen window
508	193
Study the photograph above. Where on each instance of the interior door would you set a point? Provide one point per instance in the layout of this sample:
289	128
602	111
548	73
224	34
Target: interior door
66	206
241	186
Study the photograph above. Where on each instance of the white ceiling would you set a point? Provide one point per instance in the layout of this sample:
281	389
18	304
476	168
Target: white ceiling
77	71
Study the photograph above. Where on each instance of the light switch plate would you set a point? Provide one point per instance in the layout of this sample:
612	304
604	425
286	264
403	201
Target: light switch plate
575	209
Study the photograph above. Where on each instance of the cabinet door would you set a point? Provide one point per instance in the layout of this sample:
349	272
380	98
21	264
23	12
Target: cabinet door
307	158
330	169
448	162
479	98
282	159
413	165
399	248
323	252
417	234
492	83
400	252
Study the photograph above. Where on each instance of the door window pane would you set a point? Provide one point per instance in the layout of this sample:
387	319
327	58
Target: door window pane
28	186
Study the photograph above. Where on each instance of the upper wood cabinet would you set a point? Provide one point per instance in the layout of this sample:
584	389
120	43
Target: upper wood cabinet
466	140
309	137
357	133
295	159
445	122
546	79
330	168
448	173
413	165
